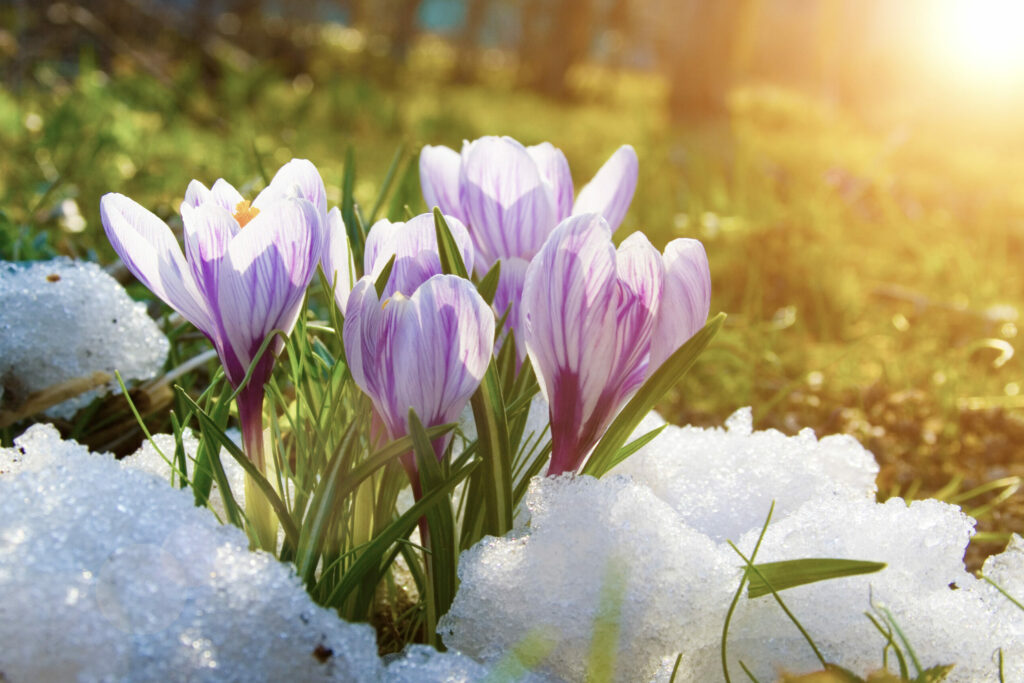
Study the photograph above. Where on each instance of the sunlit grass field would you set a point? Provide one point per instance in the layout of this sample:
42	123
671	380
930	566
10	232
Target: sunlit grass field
870	264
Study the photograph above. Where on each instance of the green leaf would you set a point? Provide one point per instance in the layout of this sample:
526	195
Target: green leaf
440	540
451	257
389	178
791	573
656	386
291	532
353	226
488	286
382	279
636	444
370	554
495	452
934	674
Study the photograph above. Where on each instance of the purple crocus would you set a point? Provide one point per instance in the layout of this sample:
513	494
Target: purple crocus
427	351
511	197
414	246
243	274
598	321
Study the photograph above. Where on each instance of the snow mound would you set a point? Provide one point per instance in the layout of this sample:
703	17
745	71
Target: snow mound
64	320
107	572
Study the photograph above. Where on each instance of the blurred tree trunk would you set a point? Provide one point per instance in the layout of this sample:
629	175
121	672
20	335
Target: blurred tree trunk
403	28
556	35
469	40
697	42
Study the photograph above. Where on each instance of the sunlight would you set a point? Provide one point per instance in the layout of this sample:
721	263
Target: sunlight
982	39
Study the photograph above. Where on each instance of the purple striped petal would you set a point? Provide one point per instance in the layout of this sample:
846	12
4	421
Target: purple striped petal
427	352
509	206
148	248
589	317
554	168
297	178
439	179
414	246
336	259
196	194
225	195
262	284
208	232
611	190
686	301
508	297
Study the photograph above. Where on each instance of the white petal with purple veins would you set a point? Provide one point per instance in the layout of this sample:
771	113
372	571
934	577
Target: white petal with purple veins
508	204
297	178
270	264
554	168
439	179
336	259
611	190
148	248
686	301
208	232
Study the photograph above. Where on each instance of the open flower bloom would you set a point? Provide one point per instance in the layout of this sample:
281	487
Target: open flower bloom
414	246
511	197
243	274
598	321
427	351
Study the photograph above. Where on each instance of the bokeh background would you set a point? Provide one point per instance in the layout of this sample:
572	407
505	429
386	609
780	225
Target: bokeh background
854	168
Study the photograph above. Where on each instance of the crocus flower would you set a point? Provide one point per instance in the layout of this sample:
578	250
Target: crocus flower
243	274
414	246
427	351
336	259
511	197
598	321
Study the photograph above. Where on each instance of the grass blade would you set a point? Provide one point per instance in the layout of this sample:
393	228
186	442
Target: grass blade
778	576
656	386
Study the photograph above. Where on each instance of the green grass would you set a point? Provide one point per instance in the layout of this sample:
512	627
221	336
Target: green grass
860	259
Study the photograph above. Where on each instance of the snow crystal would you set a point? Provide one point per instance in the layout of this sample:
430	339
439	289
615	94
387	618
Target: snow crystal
723	481
106	572
588	551
154	457
661	533
63	320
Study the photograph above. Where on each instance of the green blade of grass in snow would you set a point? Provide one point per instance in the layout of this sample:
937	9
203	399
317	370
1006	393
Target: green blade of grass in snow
766	576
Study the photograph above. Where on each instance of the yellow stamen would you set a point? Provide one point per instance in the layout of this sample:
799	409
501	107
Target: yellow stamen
244	213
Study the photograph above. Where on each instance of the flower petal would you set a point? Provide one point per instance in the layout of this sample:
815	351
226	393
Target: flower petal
208	232
427	352
149	250
336	259
442	351
269	265
196	194
554	168
414	246
686	301
225	195
439	179
589	320
611	190
509	206
297	178
508	297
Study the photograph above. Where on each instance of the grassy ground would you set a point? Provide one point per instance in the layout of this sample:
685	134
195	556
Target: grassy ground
871	269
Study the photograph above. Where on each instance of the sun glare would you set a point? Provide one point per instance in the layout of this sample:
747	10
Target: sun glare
984	39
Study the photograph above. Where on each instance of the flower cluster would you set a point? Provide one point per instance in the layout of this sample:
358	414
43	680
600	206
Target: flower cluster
594	320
